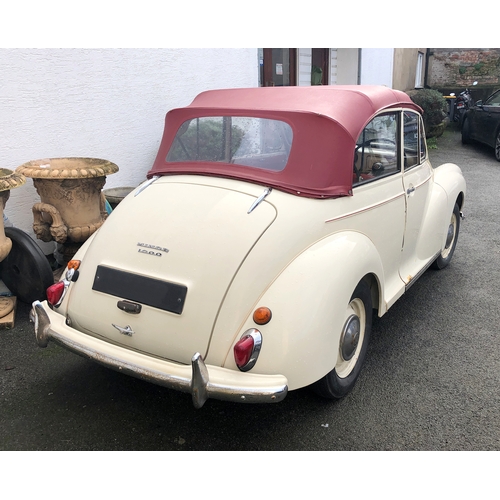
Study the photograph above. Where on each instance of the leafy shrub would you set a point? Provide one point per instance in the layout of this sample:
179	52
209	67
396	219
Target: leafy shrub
434	105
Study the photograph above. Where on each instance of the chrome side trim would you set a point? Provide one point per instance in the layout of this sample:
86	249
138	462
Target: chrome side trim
145	184
200	380
425	181
259	200
366	209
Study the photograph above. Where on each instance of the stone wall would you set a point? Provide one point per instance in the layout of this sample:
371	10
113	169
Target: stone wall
455	69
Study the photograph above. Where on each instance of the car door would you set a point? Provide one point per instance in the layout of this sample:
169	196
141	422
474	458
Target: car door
484	118
489	115
379	199
417	176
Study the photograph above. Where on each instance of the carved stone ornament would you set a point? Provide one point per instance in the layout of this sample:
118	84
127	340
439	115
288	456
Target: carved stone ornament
72	203
67	168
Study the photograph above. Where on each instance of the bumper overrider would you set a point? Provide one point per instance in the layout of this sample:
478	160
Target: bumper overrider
201	380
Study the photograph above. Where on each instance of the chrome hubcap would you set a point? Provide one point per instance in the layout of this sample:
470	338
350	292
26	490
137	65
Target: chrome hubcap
452	228
350	338
449	238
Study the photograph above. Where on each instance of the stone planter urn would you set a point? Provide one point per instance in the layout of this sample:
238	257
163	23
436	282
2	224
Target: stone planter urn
8	180
72	204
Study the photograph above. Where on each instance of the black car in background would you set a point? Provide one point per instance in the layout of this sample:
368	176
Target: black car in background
482	123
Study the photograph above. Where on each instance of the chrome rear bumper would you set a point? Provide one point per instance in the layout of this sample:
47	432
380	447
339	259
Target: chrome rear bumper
200	380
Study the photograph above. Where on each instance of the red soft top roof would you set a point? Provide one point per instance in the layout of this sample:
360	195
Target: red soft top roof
326	122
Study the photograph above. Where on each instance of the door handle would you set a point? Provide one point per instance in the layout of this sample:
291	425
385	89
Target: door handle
410	190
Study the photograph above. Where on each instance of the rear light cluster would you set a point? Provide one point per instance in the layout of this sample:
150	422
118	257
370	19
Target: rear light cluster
56	292
247	349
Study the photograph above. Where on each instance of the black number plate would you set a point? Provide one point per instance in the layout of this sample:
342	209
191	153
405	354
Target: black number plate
148	291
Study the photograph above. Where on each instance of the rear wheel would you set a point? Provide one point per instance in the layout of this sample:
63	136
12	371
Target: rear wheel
352	347
451	240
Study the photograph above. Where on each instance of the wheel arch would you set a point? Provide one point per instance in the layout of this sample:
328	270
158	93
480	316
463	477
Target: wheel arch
460	201
302	338
373	282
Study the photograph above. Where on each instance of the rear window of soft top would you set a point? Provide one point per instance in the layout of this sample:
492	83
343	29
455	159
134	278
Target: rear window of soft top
249	141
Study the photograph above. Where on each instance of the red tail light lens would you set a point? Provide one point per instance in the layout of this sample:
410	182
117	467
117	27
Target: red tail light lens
55	292
247	349
243	351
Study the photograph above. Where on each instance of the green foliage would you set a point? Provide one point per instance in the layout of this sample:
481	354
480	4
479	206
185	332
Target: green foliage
316	75
434	105
432	143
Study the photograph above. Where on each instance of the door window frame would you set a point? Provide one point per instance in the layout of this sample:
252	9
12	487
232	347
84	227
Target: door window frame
359	161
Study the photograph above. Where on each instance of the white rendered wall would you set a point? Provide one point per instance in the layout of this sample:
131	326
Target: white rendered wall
102	103
377	67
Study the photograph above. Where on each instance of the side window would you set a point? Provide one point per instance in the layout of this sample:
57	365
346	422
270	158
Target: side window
415	150
493	100
376	152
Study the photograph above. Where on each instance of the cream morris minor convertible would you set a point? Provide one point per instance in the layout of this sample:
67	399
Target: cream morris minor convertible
273	222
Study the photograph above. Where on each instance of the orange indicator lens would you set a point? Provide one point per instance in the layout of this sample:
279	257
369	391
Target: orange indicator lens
262	315
74	264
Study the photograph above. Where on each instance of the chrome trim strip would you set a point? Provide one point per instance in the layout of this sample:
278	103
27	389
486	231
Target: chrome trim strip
366	209
143	186
259	200
423	182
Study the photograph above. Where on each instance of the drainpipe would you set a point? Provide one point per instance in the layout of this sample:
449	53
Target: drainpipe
359	66
428	54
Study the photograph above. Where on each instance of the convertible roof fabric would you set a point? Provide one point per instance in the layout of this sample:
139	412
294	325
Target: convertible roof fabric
326	122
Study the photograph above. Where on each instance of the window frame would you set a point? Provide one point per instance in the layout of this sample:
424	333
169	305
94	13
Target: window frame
421	151
398	116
